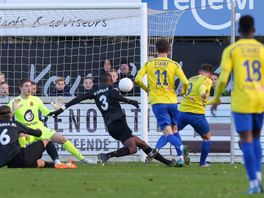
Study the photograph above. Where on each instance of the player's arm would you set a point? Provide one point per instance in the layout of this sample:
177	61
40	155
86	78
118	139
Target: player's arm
115	94
23	129
226	66
183	79
79	99
203	90
42	108
140	76
14	105
74	101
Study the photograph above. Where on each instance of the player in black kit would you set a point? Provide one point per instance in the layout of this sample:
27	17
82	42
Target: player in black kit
12	155
107	99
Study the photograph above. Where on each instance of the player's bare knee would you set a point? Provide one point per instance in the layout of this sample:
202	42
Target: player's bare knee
142	144
22	135
45	142
246	136
207	136
41	163
174	128
168	130
58	138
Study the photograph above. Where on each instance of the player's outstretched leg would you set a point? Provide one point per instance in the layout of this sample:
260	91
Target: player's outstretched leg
147	149
130	148
103	157
58	138
162	141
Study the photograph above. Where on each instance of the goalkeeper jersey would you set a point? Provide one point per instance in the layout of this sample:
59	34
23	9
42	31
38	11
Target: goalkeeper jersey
28	113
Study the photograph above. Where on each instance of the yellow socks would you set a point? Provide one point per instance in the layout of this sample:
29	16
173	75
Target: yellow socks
73	150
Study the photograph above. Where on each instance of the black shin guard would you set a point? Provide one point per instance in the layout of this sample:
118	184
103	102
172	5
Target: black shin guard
52	151
49	165
120	152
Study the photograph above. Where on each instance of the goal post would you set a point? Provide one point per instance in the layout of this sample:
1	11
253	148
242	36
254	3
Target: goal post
144	96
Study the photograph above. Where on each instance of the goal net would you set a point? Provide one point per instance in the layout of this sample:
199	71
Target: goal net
43	43
71	43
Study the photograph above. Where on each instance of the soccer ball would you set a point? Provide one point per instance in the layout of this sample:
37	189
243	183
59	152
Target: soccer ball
126	84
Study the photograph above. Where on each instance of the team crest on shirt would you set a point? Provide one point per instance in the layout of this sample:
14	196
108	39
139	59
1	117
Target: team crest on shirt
29	116
31	104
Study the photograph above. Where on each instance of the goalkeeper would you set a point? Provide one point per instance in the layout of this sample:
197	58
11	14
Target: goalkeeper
26	109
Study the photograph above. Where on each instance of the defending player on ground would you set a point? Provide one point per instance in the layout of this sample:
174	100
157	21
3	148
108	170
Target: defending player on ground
245	59
161	73
107	99
12	155
26	110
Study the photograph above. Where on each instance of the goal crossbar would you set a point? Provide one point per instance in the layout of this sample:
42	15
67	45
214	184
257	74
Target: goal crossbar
80	6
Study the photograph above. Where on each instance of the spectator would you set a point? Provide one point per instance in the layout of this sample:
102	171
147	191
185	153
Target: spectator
214	79
2	78
107	65
125	71
88	83
34	88
114	75
60	88
4	90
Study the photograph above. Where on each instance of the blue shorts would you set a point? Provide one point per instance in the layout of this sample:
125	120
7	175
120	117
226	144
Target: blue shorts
248	121
166	114
197	121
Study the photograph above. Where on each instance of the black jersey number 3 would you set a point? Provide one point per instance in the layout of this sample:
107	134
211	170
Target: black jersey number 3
104	102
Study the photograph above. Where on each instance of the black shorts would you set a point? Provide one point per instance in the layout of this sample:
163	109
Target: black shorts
119	130
27	157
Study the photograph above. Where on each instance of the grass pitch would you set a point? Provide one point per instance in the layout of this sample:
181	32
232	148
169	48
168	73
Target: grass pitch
125	180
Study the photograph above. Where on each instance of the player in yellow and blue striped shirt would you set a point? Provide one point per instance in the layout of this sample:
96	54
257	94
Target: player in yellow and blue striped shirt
245	59
161	73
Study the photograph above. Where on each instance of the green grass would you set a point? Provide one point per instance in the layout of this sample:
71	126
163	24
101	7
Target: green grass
125	180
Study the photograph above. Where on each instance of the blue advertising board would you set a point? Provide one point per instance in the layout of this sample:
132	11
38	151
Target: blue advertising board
210	17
